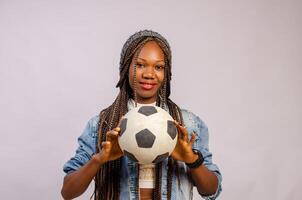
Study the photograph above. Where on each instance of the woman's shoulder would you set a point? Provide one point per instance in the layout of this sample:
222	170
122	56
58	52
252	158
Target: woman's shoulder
93	121
193	123
190	117
91	127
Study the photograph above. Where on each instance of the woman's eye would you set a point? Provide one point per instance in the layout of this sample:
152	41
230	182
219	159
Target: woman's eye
139	65
159	67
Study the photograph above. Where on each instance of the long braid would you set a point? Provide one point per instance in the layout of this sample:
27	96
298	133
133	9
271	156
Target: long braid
158	175
107	181
172	164
137	182
169	175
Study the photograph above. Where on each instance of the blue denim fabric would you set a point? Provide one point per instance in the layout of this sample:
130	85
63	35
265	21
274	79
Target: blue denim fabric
183	190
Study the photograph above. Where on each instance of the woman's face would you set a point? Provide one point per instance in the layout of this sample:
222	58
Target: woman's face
150	72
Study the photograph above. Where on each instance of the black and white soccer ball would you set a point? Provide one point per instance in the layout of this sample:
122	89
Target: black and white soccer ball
148	134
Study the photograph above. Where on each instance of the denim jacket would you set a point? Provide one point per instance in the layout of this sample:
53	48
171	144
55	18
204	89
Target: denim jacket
181	191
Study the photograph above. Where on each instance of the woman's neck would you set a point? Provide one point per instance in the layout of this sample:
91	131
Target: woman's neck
144	103
147	104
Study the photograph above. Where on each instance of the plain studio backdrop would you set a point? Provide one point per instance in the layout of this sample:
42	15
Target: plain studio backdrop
236	64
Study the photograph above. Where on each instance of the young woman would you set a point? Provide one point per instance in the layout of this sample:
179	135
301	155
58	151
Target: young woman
145	74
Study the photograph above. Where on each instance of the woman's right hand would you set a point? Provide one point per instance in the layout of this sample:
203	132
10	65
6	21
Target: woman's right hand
77	182
110	148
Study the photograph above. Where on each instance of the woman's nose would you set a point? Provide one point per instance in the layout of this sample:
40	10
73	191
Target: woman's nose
148	73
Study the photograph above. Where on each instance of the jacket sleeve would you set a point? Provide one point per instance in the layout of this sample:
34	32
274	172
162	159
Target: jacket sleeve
195	124
86	147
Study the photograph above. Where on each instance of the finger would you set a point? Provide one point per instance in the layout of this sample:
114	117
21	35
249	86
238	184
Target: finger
193	138
106	145
117	129
176	122
181	127
111	135
183	131
120	121
179	135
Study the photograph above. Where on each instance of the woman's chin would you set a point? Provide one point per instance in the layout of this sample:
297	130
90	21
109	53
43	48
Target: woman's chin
146	99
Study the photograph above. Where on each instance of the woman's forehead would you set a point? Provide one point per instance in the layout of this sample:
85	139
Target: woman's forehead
151	50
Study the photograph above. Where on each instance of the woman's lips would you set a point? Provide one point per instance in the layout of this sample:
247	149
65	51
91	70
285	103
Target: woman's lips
147	86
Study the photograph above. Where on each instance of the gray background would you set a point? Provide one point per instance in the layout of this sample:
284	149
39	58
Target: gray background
236	64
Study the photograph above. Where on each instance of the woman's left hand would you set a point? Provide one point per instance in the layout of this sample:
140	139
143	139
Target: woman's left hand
183	150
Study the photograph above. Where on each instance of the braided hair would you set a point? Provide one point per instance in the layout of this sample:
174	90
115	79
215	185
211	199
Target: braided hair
107	179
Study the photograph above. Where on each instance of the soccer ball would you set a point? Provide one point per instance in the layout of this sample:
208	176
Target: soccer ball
148	134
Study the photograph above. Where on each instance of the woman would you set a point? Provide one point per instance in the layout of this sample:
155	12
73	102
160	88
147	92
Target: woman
145	74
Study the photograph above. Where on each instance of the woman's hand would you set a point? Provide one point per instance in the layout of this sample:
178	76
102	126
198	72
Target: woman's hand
204	179
77	182
183	150
111	149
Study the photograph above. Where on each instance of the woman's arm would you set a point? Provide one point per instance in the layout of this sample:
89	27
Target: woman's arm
204	179
77	181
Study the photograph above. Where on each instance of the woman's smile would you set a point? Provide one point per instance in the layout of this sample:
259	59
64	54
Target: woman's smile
147	86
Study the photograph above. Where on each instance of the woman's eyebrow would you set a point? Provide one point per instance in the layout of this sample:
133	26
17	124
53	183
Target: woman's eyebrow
156	61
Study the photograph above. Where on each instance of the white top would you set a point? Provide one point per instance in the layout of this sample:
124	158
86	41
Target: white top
146	176
146	172
147	104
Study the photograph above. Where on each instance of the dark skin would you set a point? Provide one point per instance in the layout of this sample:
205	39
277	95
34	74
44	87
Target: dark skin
205	180
150	73
149	78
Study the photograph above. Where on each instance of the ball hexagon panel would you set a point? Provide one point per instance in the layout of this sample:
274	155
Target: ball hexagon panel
123	126
130	155
145	138
172	130
147	110
160	158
